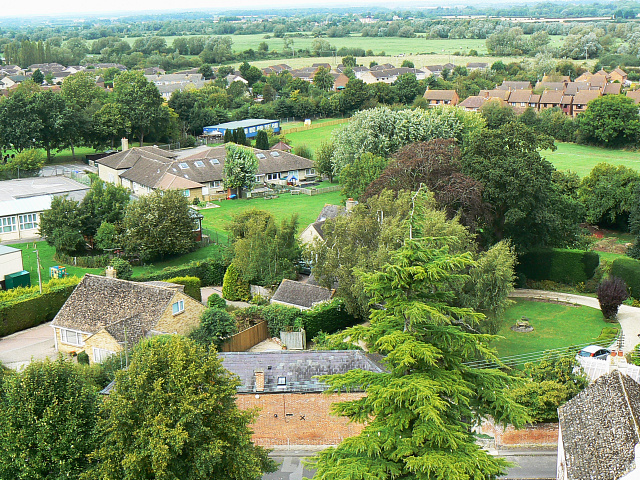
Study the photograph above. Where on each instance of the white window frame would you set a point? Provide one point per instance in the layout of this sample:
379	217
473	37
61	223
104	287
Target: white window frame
273	176
216	184
28	219
310	171
71	337
177	307
293	173
205	191
101	354
8	224
186	193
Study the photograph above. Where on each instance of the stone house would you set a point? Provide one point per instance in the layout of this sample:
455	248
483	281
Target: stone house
598	431
104	314
300	295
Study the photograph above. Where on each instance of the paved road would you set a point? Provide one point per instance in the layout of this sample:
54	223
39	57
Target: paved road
530	464
18	349
629	317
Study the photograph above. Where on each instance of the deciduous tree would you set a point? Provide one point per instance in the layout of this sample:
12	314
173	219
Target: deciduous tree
611	121
240	168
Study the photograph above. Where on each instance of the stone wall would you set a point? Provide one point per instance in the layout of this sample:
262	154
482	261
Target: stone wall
183	322
298	419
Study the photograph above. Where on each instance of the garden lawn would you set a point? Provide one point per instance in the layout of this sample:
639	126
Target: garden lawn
314	123
307	207
582	158
555	326
313	137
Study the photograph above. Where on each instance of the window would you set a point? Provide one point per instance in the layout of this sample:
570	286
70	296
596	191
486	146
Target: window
252	129
183	166
186	193
292	173
216	184
309	172
71	337
275	154
282	381
8	224
214	161
101	354
274	124
260	156
273	176
112	179
259	178
199	163
178	307
28	221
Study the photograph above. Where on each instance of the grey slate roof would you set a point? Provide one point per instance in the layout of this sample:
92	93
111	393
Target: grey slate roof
331	211
599	428
298	368
98	302
300	294
128	158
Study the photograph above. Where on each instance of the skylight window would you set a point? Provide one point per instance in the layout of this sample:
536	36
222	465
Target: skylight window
275	154
282	381
199	163
183	166
260	156
214	161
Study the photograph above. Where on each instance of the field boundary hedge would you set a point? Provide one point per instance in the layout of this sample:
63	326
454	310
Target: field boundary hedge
558	265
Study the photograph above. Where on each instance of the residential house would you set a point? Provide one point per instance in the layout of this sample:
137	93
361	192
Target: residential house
598	431
482	66
167	84
283	147
100	66
634	95
340	82
618	75
550	99
300	295
495	93
512	85
521	99
314	230
357	71
560	86
112	166
556	78
103	315
612	89
582	98
473	103
441	97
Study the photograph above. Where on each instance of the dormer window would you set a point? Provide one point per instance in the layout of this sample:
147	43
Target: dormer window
183	166
199	163
261	156
275	154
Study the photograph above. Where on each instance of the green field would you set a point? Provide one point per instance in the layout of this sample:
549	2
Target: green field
313	137
307	208
555	326
582	158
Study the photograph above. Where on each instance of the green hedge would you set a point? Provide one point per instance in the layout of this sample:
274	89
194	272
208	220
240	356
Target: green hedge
328	318
279	317
191	286
558	265
210	272
628	270
87	261
26	308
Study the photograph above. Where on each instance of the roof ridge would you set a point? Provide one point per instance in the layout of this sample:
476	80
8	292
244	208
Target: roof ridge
628	404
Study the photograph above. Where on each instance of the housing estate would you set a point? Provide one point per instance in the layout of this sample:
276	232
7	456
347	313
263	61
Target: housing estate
104	315
198	173
167	84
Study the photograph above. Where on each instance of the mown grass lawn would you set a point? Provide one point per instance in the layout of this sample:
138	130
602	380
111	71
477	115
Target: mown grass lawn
313	137
307	207
582	158
555	326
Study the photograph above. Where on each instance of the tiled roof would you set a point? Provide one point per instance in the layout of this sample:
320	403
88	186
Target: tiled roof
440	94
130	330
599	428
128	158
297	368
147	171
551	85
585	96
520	96
635	95
612	89
170	181
512	85
331	211
474	101
501	94
97	302
300	294
551	96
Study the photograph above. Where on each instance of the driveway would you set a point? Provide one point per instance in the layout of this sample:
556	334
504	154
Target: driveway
18	349
629	317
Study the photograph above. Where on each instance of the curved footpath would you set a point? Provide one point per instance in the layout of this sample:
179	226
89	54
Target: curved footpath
629	317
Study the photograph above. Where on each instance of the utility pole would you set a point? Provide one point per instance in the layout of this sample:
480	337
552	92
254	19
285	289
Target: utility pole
38	267
586	53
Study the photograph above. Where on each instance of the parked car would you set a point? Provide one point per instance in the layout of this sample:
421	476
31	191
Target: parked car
594	351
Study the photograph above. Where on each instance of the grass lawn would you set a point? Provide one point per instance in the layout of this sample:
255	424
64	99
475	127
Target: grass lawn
307	207
314	123
555	326
582	158
313	137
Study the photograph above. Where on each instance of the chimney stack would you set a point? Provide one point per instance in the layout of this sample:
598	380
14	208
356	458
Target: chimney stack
110	272
350	204
259	380
125	144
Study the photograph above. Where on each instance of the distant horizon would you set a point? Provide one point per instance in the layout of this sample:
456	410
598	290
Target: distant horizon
77	9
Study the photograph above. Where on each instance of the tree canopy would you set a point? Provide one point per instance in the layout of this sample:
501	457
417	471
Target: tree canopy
611	121
240	167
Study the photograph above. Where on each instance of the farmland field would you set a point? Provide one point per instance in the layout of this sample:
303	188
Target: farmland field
582	158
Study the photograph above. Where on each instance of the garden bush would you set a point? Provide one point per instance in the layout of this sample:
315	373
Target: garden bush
612	292
191	286
122	267
22	308
558	265
83	358
210	272
327	317
91	261
233	287
628	270
280	317
216	301
215	325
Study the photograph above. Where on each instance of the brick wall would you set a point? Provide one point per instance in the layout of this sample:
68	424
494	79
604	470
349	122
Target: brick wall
538	435
298	419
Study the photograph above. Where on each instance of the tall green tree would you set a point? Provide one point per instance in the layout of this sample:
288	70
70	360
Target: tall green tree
240	168
139	100
51	109
172	414
611	121
61	226
158	225
419	414
262	140
110	124
323	79
357	176
37	76
48	414
323	160
407	88
104	202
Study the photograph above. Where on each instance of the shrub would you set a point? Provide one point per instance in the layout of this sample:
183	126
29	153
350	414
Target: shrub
606	337
233	287
259	300
327	317
558	265
210	272
123	268
216	301
83	358
22	308
215	325
92	261
191	286
611	293
628	270
248	317
280	317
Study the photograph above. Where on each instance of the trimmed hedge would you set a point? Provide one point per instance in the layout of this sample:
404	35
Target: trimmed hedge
328	318
628	270
210	272
191	286
26	308
558	265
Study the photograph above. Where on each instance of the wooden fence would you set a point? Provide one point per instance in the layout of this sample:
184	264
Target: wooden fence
318	191
312	126
246	339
